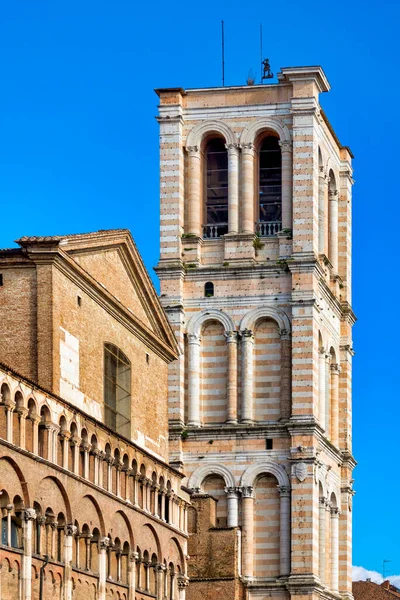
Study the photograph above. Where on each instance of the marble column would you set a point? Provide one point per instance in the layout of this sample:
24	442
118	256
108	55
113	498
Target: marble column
36	420
286	374
333	229
86	449
335	373
194	190
321	386
133	558
104	543
335	549
322	539
70	532
287	184
159	581
22	414
194	380
247	188
285	538
247	375
9	408
28	516
247	531
182	585
328	396
321	210
232	496
233	188
231	338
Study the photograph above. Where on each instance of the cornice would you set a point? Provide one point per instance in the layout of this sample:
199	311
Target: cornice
80	277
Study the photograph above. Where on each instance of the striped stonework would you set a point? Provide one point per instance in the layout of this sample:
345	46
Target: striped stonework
260	399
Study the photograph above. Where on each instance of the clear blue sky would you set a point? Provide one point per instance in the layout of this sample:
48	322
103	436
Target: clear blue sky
79	152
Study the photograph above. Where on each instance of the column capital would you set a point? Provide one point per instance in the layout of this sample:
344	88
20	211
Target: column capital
160	567
232	147
183	581
247	491
232	492
194	338
323	501
133	556
22	411
71	530
335	368
333	196
284	491
193	150
247	335
285	334
104	543
29	514
231	336
335	512
286	145
247	147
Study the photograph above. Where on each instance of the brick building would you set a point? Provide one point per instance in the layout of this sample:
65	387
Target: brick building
84	473
368	590
212	441
255	273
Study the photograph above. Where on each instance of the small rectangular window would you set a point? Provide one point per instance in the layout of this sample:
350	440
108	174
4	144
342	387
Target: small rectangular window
147	358
1	278
268	444
79	299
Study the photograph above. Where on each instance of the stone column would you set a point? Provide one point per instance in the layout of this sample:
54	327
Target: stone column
149	483
41	534
103	546
133	558
183	582
136	489
231	338
56	431
70	532
321	386
335	373
284	492
159	581
194	190
194	380
247	375
322	539
96	465
328	396
232	496
128	478
247	531
75	442
65	438
247	188
335	549
333	229
233	188
321	210
86	449
286	374
163	494
9	408
22	414
29	515
287	184
9	509
118	468
36	420
109	460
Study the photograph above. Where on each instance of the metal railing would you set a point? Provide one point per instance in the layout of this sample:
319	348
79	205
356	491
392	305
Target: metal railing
268	228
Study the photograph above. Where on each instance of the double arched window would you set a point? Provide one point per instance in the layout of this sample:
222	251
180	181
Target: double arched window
117	390
270	187
216	188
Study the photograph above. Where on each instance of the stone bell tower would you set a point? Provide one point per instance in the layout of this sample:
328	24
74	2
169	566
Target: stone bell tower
255	273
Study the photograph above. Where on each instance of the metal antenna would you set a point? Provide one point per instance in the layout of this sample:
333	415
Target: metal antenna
384	567
223	54
261	53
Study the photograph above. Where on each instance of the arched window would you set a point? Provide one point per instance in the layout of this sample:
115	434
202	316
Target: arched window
270	187
117	390
216	188
209	289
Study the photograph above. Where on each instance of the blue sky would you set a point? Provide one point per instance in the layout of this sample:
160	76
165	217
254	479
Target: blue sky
79	152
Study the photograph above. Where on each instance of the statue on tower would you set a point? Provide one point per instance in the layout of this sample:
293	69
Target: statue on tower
267	74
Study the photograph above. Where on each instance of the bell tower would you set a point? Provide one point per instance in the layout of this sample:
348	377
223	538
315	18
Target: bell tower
255	272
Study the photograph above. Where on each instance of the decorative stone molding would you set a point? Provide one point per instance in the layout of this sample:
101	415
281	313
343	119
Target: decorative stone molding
29	514
286	145
284	490
264	466
196	322
276	314
247	491
198	476
250	133
200	131
300	471
104	543
71	530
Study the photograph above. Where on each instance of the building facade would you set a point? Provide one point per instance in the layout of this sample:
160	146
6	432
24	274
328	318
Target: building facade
91	508
255	273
